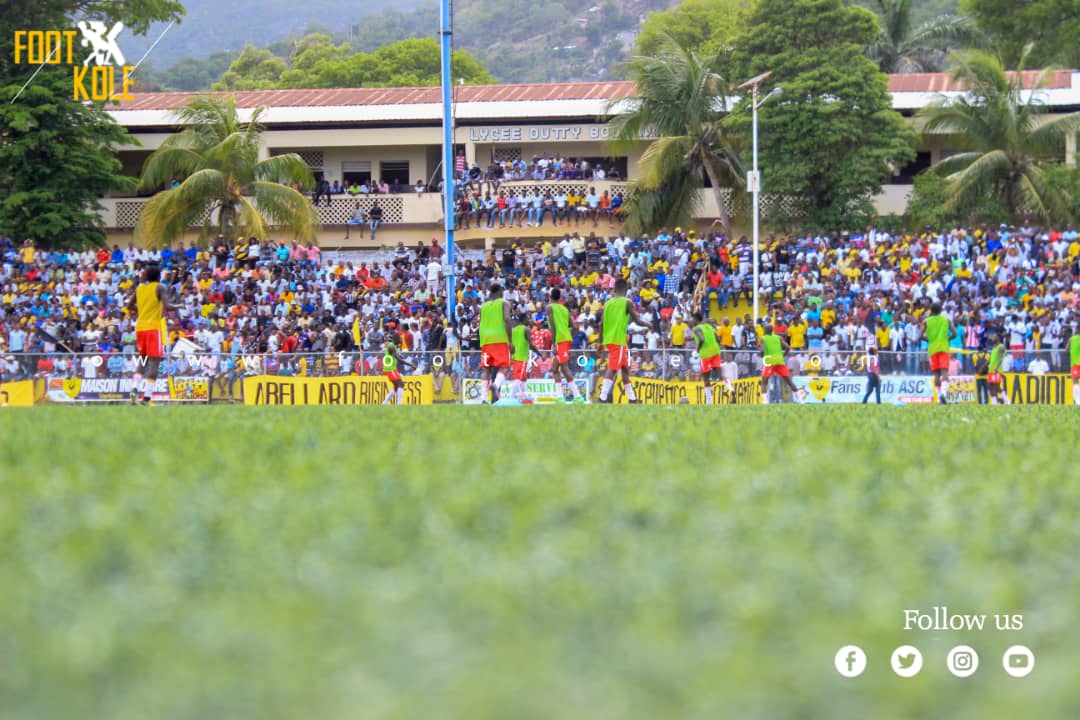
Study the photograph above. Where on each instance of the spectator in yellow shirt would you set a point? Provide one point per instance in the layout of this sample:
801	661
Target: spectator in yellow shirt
723	332
797	335
678	333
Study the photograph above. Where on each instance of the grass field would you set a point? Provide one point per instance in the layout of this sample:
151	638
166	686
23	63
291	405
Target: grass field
517	563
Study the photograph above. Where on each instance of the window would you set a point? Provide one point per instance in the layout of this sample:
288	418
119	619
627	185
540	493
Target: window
618	163
906	176
505	154
396	175
355	173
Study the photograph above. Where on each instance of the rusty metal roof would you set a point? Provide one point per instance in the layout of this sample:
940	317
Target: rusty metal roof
520	92
393	96
943	82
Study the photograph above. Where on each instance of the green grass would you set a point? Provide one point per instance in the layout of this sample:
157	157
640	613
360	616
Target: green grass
229	563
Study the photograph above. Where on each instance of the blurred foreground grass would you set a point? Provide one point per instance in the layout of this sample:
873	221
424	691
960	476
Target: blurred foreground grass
551	562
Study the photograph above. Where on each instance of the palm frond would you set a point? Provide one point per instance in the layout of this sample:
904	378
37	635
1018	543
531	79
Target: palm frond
1050	137
250	220
288	168
282	205
970	186
165	218
166	163
1042	197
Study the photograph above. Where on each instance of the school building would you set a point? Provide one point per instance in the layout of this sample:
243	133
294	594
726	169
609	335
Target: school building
394	134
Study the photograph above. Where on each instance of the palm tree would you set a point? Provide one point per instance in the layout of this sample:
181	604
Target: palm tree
215	158
1008	141
902	48
682	101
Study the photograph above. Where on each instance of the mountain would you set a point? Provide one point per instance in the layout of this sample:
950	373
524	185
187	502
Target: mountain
211	25
518	40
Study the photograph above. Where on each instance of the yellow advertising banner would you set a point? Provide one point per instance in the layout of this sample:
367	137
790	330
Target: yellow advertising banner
17	394
746	391
1021	389
1050	389
343	390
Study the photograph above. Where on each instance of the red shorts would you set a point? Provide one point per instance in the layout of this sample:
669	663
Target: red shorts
778	370
939	361
496	355
148	343
712	363
618	357
993	378
1076	372
521	369
393	377
562	353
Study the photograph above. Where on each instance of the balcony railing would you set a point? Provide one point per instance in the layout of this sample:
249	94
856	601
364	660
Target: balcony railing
410	208
426	208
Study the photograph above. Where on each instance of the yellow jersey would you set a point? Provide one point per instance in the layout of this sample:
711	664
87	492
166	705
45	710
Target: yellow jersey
149	307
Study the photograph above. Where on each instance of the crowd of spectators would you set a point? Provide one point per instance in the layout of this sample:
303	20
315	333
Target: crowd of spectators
831	295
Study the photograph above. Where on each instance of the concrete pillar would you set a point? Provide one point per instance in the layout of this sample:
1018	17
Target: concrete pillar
1070	149
470	153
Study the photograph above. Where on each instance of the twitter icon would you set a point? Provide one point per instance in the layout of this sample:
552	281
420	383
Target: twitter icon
906	661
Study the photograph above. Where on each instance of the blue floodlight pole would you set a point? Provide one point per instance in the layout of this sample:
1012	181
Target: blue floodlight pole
445	36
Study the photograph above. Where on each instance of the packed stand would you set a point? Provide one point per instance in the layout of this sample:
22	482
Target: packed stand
832	296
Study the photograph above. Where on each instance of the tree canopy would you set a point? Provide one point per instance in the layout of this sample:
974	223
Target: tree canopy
832	138
902	46
705	26
56	154
221	181
315	61
1008	141
1050	26
683	101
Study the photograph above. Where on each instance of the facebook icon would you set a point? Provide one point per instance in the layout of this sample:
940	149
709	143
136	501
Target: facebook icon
850	661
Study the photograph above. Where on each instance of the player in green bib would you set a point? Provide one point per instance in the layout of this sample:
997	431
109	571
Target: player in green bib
708	350
993	372
521	344
391	359
614	323
772	356
495	326
558	318
1074	362
938	330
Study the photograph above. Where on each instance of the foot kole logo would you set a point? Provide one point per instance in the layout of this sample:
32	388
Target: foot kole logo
99	75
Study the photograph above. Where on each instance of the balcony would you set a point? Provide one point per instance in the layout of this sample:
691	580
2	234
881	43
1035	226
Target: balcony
409	217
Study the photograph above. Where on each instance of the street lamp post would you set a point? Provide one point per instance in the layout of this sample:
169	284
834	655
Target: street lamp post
445	37
753	180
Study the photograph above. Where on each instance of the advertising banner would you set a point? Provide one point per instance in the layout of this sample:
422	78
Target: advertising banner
182	389
17	394
343	390
895	389
650	391
541	389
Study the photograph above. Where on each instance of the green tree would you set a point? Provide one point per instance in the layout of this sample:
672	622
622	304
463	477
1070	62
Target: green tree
412	62
705	26
191	74
1007	140
306	56
832	139
253	69
682	100
1051	25
56	154
215	158
316	62
903	47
